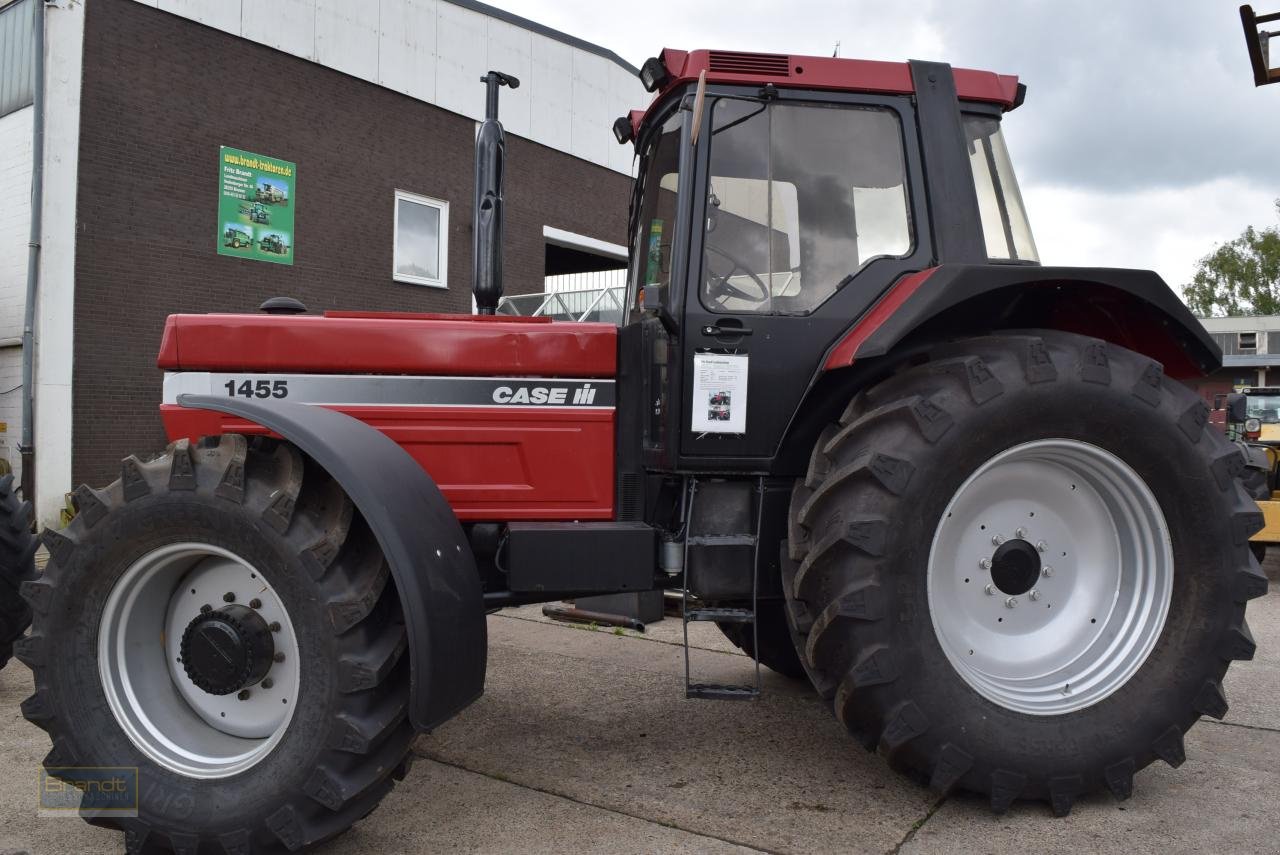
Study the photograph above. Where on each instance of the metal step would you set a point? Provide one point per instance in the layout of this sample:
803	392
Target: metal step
722	540
713	692
721	615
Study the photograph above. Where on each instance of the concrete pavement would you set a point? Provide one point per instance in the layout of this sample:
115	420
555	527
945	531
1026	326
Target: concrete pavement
584	742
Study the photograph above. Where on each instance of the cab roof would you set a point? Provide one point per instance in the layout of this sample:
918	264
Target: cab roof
820	72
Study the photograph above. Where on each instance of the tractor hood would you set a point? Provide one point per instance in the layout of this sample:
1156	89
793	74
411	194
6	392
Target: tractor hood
389	343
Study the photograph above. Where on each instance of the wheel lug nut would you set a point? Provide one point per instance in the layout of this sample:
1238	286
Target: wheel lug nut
206	608
255	603
985	564
1041	546
267	683
990	589
1034	595
274	626
228	597
998	539
279	657
1010	602
243	695
1046	571
1021	533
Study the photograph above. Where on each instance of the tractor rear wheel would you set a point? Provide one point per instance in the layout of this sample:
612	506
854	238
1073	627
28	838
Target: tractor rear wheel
1021	568
221	619
17	565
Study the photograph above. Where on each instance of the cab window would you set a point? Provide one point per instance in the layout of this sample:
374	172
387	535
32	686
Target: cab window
799	199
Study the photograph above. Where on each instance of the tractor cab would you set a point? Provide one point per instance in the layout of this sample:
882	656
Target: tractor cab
767	217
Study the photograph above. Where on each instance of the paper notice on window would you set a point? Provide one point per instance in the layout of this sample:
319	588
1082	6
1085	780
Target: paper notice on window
719	393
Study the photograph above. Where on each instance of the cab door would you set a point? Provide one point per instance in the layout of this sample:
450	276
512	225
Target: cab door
805	215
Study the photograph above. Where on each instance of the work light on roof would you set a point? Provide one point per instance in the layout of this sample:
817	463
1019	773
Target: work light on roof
653	74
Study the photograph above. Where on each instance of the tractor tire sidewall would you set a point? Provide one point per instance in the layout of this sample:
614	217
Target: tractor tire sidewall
1163	443
168	798
17	565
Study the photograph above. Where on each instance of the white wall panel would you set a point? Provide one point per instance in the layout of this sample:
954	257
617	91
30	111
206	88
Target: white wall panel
551	93
15	218
347	37
462	58
221	14
510	51
287	25
591	107
407	47
625	94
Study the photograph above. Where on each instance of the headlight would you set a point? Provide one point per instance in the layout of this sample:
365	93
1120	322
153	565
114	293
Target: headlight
1252	426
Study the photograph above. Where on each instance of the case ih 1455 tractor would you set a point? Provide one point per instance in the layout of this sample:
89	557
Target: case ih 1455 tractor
848	413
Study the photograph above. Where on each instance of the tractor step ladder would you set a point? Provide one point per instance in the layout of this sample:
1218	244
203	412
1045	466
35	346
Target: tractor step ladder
713	691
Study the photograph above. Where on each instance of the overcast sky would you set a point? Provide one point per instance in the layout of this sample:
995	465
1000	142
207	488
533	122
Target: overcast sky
1143	142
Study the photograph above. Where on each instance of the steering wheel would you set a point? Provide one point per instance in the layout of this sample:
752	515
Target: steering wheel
720	288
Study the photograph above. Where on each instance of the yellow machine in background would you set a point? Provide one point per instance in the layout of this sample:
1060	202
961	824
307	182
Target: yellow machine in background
1252	418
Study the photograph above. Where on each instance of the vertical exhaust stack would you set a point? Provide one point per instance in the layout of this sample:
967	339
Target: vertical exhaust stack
487	219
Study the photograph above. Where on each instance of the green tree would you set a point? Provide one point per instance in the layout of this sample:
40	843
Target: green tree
1241	277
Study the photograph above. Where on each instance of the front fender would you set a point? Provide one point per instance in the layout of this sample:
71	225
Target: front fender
430	559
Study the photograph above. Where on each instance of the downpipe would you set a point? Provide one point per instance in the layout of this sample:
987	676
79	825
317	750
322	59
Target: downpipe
27	448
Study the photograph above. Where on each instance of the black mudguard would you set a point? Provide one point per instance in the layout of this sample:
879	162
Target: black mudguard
1039	288
431	560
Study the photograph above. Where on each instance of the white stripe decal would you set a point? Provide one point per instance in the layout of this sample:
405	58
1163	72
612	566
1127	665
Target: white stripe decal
374	390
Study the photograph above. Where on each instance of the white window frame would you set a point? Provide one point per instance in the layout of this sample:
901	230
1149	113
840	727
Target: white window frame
443	207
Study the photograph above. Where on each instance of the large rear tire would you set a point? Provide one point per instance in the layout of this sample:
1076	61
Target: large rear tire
230	552
1021	568
17	565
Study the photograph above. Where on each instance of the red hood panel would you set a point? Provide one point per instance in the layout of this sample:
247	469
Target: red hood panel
388	344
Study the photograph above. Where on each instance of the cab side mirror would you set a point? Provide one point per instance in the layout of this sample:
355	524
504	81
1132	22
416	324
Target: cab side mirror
1237	407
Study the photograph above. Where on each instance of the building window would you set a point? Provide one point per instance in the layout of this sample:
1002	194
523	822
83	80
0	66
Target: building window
421	240
1247	341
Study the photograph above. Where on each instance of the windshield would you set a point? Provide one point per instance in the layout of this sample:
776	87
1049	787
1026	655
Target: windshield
1264	408
653	212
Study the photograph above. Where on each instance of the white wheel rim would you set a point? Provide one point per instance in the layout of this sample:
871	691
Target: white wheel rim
171	720
1098	596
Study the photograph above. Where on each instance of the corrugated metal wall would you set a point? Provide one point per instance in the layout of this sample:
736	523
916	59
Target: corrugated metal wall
17	61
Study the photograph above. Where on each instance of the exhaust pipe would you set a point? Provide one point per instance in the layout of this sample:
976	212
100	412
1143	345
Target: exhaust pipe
486	224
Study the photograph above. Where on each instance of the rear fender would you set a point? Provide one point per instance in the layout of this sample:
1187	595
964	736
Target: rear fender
431	561
1135	309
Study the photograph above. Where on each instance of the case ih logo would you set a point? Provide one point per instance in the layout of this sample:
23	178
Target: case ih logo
554	396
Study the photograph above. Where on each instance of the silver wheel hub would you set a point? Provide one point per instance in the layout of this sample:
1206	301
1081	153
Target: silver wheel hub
1050	576
171	719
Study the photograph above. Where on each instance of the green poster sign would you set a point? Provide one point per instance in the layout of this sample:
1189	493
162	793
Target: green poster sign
255	206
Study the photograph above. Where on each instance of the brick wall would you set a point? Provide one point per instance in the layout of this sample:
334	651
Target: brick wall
161	94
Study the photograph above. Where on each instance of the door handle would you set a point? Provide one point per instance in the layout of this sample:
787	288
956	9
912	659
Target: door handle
726	329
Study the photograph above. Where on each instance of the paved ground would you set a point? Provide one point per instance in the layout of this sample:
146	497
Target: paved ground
583	742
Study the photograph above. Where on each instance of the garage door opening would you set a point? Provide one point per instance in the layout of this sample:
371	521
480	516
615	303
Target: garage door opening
585	280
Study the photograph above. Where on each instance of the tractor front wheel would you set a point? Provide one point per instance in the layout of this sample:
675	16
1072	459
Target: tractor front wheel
17	565
1021	568
220	620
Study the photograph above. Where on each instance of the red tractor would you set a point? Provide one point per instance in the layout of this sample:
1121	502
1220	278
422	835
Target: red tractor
962	493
